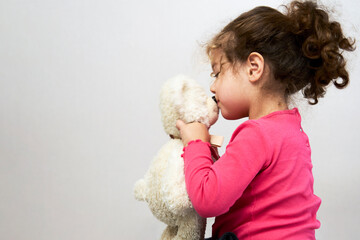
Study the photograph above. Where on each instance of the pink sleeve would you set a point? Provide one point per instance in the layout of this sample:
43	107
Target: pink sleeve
214	187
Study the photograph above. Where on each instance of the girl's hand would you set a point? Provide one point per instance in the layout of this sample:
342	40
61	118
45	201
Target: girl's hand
192	131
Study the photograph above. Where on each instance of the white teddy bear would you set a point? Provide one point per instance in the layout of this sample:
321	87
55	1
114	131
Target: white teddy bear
163	186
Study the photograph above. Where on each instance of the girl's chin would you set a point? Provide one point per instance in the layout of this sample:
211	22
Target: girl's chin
229	116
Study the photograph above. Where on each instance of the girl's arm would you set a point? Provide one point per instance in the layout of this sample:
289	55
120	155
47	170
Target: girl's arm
214	187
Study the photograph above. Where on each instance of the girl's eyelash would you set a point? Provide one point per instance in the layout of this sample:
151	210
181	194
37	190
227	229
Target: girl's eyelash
215	75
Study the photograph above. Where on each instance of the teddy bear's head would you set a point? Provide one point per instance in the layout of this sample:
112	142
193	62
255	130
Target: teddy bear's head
183	98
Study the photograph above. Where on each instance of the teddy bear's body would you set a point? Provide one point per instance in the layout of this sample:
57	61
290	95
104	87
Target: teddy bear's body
166	194
163	186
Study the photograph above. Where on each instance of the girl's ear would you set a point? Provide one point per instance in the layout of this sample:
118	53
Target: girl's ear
255	66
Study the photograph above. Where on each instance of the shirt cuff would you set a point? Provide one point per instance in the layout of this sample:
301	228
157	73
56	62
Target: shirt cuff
195	146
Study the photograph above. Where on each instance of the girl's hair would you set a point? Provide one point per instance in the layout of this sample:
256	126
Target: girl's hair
302	47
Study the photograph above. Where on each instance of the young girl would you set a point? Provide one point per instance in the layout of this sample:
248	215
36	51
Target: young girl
262	187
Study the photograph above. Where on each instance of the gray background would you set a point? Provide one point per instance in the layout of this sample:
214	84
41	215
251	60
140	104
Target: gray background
79	123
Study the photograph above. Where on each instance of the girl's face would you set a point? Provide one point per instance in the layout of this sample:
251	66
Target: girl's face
231	86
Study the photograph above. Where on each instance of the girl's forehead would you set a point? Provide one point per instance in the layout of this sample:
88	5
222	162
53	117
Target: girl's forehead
215	56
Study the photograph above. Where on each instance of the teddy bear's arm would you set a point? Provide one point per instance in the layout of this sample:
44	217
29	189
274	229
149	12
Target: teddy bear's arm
140	190
174	189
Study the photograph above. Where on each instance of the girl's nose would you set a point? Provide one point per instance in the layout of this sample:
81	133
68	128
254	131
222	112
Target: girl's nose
212	87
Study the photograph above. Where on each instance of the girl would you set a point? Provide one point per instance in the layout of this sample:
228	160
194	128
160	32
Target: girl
262	187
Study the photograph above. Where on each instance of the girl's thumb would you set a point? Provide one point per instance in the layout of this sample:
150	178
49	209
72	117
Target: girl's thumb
179	124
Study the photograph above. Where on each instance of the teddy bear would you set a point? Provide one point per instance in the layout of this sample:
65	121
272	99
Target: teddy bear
163	186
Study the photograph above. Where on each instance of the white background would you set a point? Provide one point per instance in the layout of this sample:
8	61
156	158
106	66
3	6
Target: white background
79	117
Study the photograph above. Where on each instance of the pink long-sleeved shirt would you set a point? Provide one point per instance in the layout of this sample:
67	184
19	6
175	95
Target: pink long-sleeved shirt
262	187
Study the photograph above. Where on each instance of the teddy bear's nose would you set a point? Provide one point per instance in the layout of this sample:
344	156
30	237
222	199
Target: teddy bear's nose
214	98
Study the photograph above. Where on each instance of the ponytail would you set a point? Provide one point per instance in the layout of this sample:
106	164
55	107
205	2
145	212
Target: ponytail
322	45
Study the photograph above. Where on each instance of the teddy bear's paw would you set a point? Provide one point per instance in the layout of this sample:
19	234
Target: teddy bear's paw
140	190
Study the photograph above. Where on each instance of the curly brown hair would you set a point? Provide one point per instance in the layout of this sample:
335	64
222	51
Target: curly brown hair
302	47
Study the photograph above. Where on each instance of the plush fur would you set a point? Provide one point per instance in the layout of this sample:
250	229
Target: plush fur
163	186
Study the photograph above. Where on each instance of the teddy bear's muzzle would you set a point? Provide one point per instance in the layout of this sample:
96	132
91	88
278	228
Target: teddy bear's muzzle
214	98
